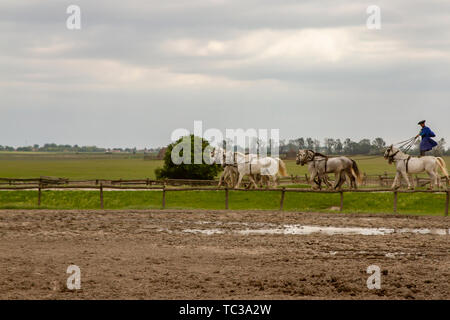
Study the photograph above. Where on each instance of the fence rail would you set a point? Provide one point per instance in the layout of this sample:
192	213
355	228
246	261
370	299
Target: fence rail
101	187
382	180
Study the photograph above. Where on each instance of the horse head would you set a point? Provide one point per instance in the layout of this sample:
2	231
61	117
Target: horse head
302	157
390	153
217	155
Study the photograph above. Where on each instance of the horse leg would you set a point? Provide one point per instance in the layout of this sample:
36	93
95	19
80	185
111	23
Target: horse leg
337	180
438	179
396	180
405	176
239	180
269	181
221	178
252	181
350	179
231	180
433	178
275	180
412	181
342	179
327	181
314	185
234	176
353	182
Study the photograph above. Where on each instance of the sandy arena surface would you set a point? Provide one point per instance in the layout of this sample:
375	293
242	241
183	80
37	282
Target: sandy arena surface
171	254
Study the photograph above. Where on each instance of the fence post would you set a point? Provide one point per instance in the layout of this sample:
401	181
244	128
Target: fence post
283	191
164	197
226	198
342	201
446	203
39	194
395	201
101	195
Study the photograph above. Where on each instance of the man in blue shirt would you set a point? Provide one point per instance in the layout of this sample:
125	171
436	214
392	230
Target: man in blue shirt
427	143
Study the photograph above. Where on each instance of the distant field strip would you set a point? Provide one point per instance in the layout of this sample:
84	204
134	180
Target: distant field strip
124	166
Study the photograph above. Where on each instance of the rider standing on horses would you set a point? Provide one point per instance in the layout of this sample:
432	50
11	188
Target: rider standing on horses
427	143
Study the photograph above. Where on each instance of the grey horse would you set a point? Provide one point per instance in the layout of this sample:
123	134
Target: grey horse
319	165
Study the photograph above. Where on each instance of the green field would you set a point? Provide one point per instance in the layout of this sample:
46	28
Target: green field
125	166
418	203
77	166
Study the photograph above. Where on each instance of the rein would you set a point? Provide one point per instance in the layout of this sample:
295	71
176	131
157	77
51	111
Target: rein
391	159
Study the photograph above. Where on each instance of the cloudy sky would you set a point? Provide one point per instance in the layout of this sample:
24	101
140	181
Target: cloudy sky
137	70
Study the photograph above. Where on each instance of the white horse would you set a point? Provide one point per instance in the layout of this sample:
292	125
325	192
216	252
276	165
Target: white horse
319	165
405	165
251	165
229	176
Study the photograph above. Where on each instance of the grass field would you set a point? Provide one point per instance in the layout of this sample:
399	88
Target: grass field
427	204
125	166
76	166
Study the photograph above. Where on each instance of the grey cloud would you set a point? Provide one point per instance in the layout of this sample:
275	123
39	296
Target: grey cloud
361	97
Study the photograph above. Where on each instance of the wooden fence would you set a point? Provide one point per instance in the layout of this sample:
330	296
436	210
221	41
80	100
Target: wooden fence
381	180
164	190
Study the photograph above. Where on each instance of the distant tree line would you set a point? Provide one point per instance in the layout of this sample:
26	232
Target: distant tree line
349	147
286	147
53	147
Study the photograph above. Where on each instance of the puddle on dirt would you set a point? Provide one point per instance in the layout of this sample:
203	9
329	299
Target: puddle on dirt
204	231
307	230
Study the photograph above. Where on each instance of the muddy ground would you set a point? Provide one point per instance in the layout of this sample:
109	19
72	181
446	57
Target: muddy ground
170	254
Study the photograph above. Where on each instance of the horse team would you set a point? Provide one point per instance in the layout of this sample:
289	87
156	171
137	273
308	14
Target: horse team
264	171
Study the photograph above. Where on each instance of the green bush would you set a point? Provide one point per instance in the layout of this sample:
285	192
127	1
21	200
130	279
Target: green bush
203	171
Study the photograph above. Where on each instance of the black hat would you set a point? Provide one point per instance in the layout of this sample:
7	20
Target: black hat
423	121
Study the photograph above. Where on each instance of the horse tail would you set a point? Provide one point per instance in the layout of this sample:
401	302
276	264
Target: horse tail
443	167
282	168
356	173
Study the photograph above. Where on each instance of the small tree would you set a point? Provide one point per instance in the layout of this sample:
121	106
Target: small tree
203	171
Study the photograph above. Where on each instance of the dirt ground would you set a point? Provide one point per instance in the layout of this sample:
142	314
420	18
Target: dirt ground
170	254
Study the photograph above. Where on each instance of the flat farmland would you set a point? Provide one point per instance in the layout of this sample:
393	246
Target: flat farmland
125	166
77	166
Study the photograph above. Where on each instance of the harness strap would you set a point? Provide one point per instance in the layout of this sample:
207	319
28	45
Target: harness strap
407	162
391	157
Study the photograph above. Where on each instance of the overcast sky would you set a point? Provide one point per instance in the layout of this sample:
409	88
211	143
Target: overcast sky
137	70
